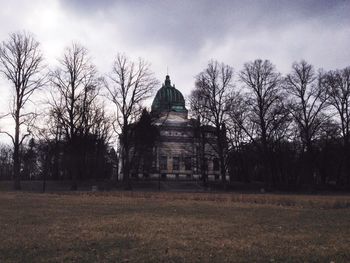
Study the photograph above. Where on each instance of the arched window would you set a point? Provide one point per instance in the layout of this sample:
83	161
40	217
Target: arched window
188	163
176	163
163	163
216	164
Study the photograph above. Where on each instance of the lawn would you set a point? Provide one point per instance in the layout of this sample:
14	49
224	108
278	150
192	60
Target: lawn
173	227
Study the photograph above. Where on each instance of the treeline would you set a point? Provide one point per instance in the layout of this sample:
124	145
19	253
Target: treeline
71	134
51	160
70	138
286	131
290	130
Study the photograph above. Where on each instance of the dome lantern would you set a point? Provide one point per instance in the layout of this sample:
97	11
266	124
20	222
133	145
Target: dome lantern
167	81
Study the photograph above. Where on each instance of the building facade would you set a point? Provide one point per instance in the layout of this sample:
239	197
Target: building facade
183	148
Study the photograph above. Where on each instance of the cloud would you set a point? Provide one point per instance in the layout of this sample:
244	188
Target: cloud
183	35
187	24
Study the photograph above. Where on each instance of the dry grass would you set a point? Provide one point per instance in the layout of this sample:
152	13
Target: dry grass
173	227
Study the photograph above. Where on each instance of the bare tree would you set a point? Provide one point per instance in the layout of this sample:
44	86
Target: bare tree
266	112
128	85
211	102
198	111
240	129
337	87
6	160
306	105
76	87
21	62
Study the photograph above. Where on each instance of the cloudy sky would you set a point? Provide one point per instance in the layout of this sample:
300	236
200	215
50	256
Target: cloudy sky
183	35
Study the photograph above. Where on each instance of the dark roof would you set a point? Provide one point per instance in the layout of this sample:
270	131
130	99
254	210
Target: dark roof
168	98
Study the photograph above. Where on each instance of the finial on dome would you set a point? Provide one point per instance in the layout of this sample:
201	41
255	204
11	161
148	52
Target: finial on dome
167	80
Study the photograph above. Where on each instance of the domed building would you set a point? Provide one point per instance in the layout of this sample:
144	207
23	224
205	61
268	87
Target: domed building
179	151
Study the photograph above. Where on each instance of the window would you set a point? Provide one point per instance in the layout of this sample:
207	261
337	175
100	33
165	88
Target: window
205	164
176	163
188	163
216	164
163	163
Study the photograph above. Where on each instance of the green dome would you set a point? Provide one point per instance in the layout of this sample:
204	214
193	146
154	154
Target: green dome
168	99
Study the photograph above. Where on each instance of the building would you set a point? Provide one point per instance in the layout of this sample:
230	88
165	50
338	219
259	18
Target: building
183	149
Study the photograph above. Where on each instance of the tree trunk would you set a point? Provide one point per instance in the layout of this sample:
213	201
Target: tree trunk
125	161
221	136
46	170
266	166
204	171
346	161
16	157
222	166
73	164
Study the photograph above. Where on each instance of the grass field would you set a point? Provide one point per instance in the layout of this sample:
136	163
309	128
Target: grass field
173	227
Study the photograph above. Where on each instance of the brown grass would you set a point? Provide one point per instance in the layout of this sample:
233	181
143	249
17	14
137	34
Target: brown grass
173	227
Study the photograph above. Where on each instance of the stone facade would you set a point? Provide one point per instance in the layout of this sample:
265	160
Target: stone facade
180	151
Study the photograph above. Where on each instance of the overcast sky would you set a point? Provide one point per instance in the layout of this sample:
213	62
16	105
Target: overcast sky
184	35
